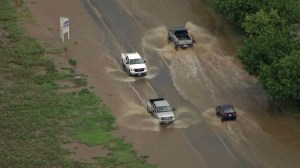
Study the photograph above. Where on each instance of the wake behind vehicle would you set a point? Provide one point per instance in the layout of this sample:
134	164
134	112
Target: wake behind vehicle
180	37
133	64
161	110
226	112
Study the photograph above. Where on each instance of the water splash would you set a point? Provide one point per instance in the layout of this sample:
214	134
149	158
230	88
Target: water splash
121	75
136	117
201	72
233	128
185	118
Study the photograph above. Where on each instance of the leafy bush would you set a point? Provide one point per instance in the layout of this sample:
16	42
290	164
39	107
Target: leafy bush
236	10
282	79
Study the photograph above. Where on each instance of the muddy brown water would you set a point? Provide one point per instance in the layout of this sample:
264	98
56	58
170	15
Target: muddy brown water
194	80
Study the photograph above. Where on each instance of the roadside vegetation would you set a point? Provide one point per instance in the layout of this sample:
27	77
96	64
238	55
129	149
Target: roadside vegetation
271	50
36	115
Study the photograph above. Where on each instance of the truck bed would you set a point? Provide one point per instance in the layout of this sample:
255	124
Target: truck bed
183	36
157	99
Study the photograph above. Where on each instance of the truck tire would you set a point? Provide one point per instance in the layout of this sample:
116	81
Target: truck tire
128	72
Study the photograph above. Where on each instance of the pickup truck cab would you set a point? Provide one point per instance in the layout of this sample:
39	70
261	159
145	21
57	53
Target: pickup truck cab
161	110
180	37
133	64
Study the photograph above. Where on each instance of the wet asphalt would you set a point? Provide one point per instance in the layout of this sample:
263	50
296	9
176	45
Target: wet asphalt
194	81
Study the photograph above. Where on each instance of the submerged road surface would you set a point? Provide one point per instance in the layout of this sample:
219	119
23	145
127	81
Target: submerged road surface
194	81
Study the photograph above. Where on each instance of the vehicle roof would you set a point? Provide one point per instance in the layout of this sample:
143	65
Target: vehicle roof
178	28
161	103
133	55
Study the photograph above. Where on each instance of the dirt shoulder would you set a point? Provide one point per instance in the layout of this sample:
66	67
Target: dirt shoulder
85	44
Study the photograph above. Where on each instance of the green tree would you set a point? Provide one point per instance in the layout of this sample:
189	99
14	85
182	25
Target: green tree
282	79
236	10
288	9
265	23
269	40
264	49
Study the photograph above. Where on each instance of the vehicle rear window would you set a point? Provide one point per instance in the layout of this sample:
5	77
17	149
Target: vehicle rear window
181	32
228	109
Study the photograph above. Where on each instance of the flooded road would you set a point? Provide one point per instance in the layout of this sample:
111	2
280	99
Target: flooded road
194	81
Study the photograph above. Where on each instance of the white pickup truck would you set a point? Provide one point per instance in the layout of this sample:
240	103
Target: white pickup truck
161	110
133	64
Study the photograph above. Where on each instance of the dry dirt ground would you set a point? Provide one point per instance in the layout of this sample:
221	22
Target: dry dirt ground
84	45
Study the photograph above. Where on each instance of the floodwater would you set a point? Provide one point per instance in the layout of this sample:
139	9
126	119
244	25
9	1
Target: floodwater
194	80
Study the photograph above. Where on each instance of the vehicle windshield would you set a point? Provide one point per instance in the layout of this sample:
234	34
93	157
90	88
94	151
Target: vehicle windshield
135	61
228	110
163	109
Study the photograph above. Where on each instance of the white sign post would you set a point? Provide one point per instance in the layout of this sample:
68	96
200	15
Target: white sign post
64	27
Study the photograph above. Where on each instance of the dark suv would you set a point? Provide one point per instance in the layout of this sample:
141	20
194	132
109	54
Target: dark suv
226	112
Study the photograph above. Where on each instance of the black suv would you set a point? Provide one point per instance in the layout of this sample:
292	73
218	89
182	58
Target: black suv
226	112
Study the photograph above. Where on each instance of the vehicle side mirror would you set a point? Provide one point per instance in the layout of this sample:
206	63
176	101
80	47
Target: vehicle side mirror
174	109
145	61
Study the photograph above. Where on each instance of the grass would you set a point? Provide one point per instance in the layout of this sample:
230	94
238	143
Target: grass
34	114
72	61
54	51
66	46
